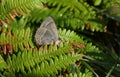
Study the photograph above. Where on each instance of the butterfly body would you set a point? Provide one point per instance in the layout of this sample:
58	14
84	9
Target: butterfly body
47	33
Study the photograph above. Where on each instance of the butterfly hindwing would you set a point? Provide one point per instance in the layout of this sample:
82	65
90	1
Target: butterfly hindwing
39	34
47	38
49	24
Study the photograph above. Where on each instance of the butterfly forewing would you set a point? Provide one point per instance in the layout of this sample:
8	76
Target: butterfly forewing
53	30
46	22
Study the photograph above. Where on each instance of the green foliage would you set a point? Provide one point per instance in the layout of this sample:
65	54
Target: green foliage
36	62
73	15
17	38
80	74
15	7
89	33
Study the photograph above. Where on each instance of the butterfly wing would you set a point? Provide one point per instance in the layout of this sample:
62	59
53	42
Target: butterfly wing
47	38
39	34
46	22
47	33
50	25
53	30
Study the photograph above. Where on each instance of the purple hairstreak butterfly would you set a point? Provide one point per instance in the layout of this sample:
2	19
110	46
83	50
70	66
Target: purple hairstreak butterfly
47	33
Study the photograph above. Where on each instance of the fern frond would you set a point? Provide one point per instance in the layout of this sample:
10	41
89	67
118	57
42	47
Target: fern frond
67	35
12	8
21	38
70	4
3	64
70	14
83	45
27	60
80	74
15	40
4	68
108	3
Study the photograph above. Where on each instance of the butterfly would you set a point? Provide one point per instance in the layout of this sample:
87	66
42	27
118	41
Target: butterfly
47	33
